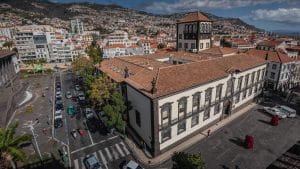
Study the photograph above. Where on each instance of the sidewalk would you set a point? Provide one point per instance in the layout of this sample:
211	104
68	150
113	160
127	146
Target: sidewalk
153	162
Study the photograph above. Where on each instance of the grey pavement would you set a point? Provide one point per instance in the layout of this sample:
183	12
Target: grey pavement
224	148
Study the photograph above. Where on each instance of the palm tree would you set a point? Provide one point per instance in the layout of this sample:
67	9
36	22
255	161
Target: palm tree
8	44
11	146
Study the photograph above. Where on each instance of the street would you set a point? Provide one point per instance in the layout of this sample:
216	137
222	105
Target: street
107	147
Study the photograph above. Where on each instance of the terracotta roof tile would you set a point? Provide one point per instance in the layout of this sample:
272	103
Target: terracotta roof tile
269	43
220	51
274	56
193	17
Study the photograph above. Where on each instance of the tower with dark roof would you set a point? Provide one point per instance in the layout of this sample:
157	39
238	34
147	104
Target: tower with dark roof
194	32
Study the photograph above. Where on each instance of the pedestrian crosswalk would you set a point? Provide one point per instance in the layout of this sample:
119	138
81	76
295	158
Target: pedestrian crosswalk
105	155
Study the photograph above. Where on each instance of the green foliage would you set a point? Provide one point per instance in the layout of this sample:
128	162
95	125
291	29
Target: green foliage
101	89
94	52
8	44
10	145
83	66
161	46
183	160
114	111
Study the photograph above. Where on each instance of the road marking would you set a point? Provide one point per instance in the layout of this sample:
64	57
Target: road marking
108	154
114	152
125	148
91	145
81	159
102	157
119	150
95	154
76	164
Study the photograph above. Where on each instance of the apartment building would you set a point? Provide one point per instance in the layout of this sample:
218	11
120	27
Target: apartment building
194	32
120	50
77	26
271	45
281	69
172	102
120	37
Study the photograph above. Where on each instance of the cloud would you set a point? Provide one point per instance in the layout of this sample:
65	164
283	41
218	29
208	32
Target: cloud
281	15
191	5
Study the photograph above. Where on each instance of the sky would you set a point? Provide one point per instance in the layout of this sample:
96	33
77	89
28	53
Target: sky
266	14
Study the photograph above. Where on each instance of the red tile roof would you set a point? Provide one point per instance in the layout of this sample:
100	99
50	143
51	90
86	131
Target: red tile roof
274	56
194	17
5	53
220	51
269	43
174	78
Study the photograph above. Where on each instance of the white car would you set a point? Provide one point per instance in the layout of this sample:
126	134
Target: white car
275	111
287	110
58	114
68	95
132	165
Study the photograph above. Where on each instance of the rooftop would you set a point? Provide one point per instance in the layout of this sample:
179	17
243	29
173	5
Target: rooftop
194	17
275	56
5	53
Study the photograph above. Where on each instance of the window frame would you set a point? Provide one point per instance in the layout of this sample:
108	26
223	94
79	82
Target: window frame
138	120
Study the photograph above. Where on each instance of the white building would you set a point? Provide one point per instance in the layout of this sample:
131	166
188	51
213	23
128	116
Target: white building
6	32
280	69
77	26
119	50
194	32
171	103
120	37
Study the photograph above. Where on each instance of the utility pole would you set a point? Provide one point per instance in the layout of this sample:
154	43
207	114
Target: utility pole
31	127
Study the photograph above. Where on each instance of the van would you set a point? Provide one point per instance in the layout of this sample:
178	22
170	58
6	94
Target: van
288	111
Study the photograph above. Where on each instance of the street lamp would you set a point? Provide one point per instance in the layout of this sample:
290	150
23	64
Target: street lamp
31	127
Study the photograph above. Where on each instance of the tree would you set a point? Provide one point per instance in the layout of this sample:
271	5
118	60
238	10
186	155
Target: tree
11	145
94	52
8	44
101	90
114	111
183	160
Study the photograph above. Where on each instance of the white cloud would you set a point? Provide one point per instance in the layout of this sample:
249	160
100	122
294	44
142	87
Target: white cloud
281	15
189	5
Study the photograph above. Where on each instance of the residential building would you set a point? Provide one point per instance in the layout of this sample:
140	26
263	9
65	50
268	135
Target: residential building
120	50
271	45
120	37
77	26
6	32
172	102
194	32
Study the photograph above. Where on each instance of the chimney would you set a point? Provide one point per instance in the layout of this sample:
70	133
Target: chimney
154	89
267	55
126	72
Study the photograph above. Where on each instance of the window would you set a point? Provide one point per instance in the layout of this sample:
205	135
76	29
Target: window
283	68
186	45
138	118
217	108
274	66
208	96
196	102
207	44
193	46
219	92
195	120
182	107
286	75
206	114
252	77
230	86
263	74
165	114
282	75
240	83
201	45
179	45
255	88
258	74
244	94
181	127
246	80
237	98
272	75
180	36
166	134
250	91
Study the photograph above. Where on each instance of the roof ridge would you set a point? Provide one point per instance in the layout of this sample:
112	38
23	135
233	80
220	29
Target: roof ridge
278	56
129	62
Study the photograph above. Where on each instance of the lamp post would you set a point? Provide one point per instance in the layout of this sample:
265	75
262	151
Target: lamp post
31	127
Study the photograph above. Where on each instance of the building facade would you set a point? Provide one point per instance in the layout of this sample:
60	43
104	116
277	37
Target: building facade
77	26
194	33
8	67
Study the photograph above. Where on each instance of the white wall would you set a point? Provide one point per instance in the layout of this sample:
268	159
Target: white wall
142	104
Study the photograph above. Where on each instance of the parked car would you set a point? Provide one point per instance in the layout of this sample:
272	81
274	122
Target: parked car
68	95
287	110
91	162
58	123
88	113
77	87
58	114
101	115
59	105
81	97
132	165
274	111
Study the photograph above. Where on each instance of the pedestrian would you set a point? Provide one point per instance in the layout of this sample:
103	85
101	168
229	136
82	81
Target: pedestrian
44	131
208	132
